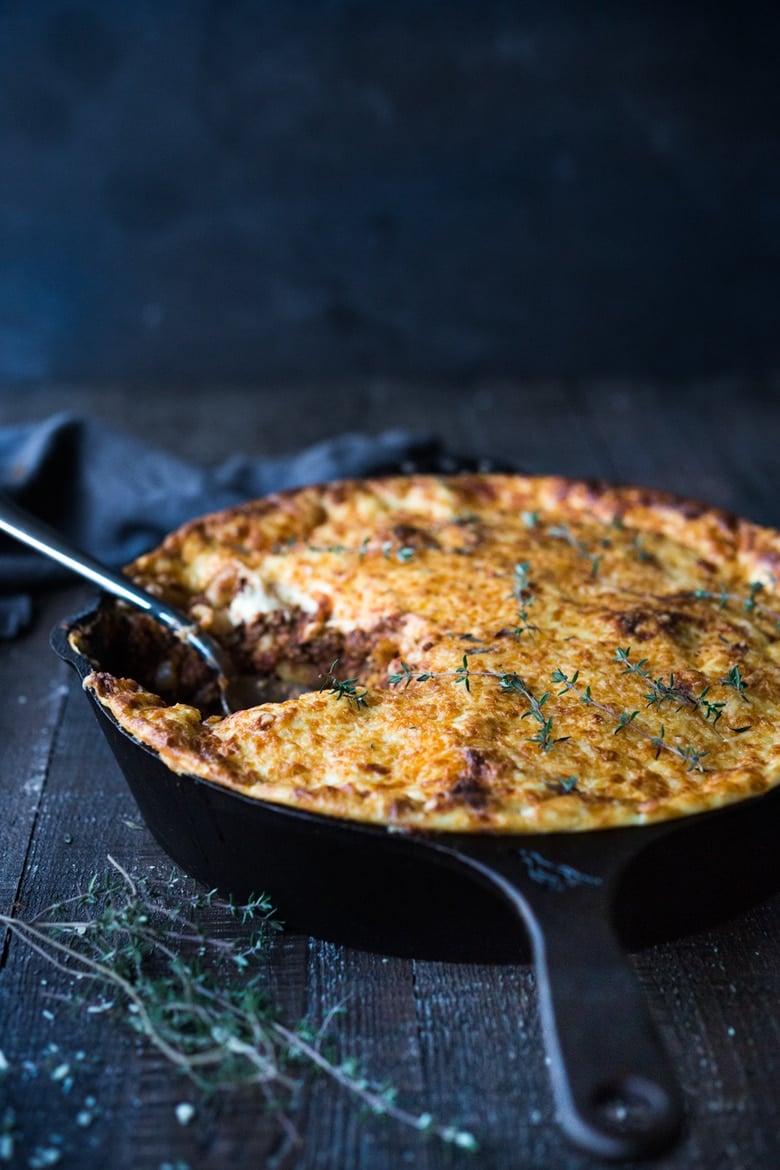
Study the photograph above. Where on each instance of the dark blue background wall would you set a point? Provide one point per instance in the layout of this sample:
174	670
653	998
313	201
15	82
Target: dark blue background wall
241	191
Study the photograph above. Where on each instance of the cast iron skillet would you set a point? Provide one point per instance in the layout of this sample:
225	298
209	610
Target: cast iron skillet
434	894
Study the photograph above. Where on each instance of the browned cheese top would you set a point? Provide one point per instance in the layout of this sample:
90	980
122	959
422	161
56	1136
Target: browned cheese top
484	653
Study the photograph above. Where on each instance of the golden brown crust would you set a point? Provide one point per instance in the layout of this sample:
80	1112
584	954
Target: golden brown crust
524	654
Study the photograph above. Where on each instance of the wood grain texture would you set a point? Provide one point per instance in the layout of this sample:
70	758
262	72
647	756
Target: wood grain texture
462	1040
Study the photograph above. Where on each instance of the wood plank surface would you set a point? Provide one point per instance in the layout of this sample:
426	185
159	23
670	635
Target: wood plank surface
459	1039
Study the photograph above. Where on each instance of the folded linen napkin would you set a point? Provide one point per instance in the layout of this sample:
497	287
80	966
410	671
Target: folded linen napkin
115	496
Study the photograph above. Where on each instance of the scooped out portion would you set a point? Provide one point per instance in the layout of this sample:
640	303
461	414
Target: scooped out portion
469	653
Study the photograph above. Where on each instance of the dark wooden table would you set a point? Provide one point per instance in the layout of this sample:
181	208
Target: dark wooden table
462	1040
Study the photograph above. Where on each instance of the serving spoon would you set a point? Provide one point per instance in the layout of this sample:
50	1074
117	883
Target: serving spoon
236	692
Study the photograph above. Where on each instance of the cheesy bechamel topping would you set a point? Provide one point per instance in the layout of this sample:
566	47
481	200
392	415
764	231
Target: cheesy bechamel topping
478	653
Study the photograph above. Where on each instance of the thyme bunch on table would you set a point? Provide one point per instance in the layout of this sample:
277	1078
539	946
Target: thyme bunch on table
197	995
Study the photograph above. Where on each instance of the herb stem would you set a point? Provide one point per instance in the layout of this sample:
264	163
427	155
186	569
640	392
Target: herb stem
219	1032
627	719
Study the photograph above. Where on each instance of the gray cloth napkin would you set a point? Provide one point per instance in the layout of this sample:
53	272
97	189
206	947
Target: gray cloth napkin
115	496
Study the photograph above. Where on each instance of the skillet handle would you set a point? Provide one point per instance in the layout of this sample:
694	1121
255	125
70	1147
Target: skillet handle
615	1092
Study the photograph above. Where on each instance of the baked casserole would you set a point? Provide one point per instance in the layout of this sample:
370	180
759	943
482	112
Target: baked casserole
476	653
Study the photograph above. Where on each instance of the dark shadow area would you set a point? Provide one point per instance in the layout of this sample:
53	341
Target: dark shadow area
239	193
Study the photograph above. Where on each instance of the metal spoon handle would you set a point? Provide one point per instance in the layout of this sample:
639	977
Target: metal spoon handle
19	524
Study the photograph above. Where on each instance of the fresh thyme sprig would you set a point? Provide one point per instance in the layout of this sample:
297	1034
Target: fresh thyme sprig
199	998
623	655
711	710
345	688
521	591
544	737
626	719
748	604
669	691
507	680
407	675
692	758
661	692
462	674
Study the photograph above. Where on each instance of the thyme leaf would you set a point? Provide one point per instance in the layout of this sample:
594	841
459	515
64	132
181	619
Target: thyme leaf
345	688
624	718
559	676
711	710
692	757
404	676
623	655
463	673
521	590
567	784
735	680
512	682
658	741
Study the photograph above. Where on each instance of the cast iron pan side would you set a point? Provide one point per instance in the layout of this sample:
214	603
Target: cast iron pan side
615	1092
